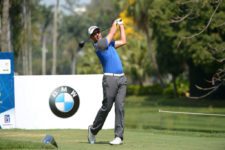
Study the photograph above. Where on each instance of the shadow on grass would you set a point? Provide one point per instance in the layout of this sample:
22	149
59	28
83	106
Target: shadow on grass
103	142
98	143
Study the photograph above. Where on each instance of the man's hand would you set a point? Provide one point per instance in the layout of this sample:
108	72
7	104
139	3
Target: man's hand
119	21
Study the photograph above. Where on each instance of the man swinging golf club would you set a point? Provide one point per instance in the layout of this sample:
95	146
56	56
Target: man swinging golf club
114	82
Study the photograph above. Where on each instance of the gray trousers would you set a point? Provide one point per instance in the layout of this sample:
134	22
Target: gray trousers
114	91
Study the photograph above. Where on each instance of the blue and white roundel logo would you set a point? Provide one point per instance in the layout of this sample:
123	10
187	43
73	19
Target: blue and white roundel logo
64	102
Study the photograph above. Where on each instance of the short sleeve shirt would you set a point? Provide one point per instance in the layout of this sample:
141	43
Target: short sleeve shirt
108	56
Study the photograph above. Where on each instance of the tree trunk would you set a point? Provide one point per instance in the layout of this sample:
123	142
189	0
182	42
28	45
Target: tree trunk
5	35
55	35
25	39
140	83
152	54
44	51
174	86
29	42
73	67
10	48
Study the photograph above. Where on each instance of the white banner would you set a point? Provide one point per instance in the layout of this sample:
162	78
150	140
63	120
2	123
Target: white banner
51	102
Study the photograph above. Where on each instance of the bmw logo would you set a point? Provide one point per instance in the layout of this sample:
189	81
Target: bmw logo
64	101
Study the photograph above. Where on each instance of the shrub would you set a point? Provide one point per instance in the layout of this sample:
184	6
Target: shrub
144	90
156	89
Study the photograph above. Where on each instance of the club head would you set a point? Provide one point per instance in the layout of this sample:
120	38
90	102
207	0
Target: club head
81	44
48	139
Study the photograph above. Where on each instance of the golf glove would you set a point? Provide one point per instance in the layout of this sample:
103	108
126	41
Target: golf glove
119	21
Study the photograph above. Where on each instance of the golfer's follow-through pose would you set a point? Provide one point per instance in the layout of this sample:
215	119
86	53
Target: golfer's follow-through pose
114	82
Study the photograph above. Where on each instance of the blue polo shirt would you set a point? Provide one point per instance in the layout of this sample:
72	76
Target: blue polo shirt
108	57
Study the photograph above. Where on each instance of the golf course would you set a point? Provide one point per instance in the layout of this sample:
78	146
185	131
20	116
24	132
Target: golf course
146	128
160	64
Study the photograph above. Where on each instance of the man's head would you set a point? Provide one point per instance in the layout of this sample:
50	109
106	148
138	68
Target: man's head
94	33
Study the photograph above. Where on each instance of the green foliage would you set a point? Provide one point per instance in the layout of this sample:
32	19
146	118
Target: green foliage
182	89
136	61
88	63
170	30
103	12
144	90
156	89
187	33
197	47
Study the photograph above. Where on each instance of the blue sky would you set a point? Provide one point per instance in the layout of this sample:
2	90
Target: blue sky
61	2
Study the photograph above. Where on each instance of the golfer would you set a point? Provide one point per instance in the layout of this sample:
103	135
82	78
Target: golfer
114	82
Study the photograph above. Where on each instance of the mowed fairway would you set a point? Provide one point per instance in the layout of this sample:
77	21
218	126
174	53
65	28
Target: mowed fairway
146	129
135	140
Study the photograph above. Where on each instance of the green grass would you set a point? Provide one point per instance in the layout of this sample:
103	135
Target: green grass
143	113
134	140
146	129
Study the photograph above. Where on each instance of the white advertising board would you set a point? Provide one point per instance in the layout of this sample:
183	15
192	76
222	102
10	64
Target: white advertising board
34	93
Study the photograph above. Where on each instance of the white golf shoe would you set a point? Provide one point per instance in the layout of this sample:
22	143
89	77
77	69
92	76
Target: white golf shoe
116	141
91	137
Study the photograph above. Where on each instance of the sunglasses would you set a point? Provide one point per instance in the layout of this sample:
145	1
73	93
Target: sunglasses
95	32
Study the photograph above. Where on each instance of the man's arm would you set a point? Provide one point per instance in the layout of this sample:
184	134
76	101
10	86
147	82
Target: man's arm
112	32
123	39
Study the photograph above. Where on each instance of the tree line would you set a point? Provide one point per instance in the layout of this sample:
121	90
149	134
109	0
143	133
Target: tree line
169	41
